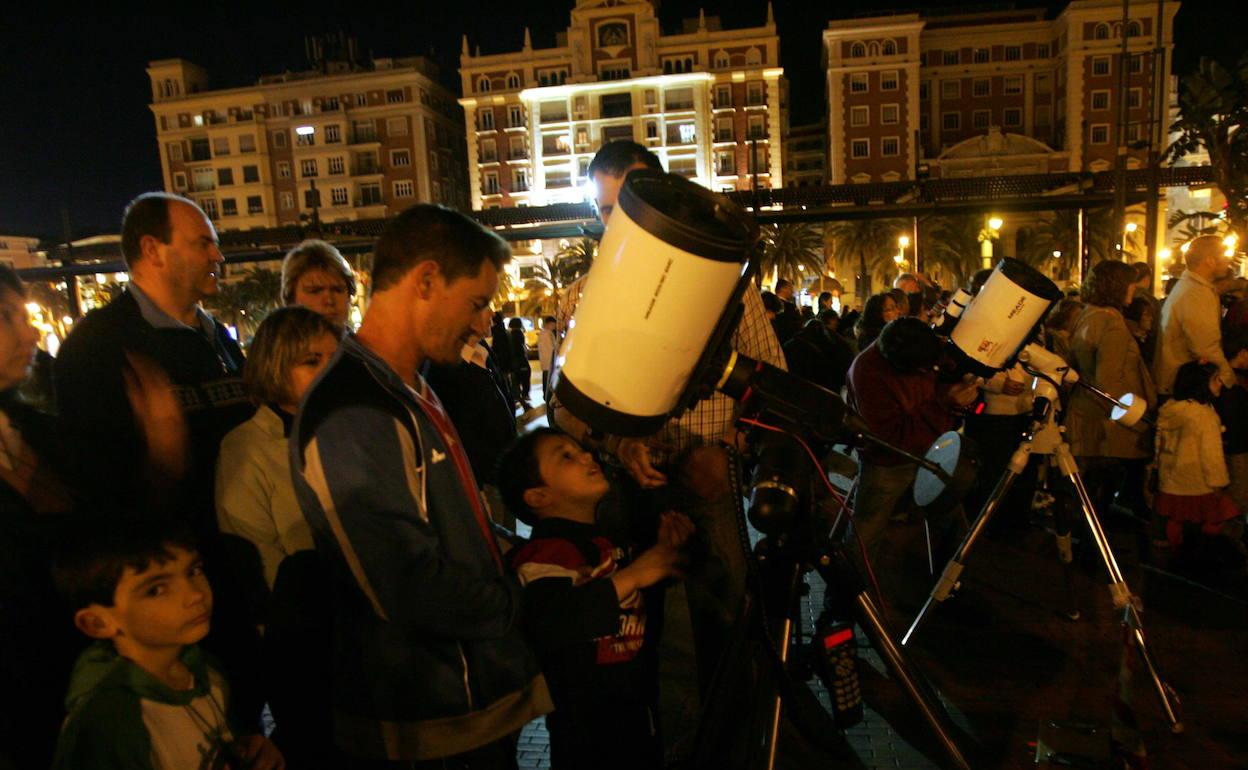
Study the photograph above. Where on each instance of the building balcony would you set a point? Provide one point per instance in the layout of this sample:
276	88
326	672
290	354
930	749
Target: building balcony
362	137
365	169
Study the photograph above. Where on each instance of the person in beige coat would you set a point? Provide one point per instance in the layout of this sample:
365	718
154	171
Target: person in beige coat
1106	355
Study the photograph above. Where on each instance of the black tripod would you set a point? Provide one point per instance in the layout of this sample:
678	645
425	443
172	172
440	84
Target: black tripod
763	634
1044	437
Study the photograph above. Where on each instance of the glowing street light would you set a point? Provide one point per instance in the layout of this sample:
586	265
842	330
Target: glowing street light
996	223
1164	254
904	241
1132	227
987	236
1057	254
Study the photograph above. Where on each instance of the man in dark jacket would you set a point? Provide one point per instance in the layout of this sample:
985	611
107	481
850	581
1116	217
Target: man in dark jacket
819	354
171	253
430	662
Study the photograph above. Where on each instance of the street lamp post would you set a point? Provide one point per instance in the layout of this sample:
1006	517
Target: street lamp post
903	243
991	232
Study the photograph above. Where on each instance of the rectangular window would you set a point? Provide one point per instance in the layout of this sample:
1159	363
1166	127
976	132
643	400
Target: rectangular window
625	133
1042	51
337	165
950	89
520	180
753	93
680	133
1100	133
723	130
307	167
338	195
1135	97
890	146
551	112
305	140
209	206
723	96
279	138
615	105
678	99
361	100
363	132
1013	85
370	194
247	143
1013	52
725	163
1100	100
490	185
203	179
888	80
200	149
981	55
860	148
283	170
404	188
859	82
757	128
288	200
924	122
400	158
859	116
1100	65
394	96
229	207
175	152
225	176
255	204
485	119
515	148
981	87
949	57
515	116
333	133
330	104
251	174
179	181
652	129
951	121
889	114
1137	64
1044	84
1013	117
924	89
981	119
686	166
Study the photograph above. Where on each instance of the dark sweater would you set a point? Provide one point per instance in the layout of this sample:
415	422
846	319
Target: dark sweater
594	649
907	410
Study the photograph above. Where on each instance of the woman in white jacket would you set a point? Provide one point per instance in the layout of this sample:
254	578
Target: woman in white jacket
255	495
1190	463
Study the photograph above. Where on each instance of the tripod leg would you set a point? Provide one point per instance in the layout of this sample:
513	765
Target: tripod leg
1063	526
953	570
841	577
1121	593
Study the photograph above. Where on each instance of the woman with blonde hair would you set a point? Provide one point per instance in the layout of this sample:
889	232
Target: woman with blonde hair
255	496
315	275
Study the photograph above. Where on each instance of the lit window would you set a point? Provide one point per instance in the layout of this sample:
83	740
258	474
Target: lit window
337	165
307	167
338	196
686	133
283	170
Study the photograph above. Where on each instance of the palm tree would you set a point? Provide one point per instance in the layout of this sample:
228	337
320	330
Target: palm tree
871	241
1213	111
574	259
953	243
792	250
246	301
1059	231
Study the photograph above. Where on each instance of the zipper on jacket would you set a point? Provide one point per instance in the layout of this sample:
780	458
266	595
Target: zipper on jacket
467	687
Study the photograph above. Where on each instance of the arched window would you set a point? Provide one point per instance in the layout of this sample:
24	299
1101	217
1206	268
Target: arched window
1134	29
721	60
890	48
667	67
1101	32
169	87
857	51
688	65
753	56
483	85
513	81
873	48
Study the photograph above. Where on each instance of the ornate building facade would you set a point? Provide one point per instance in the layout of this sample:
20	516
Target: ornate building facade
709	102
339	142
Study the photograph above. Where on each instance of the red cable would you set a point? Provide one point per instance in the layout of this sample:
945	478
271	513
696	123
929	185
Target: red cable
823	475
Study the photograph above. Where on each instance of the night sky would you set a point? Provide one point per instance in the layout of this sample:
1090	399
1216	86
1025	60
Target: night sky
77	134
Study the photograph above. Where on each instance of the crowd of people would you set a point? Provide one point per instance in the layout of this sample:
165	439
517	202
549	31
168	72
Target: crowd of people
305	556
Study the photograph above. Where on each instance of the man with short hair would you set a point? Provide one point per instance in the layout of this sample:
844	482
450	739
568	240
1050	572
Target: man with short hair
1191	316
173	259
431	669
788	322
907	282
547	344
